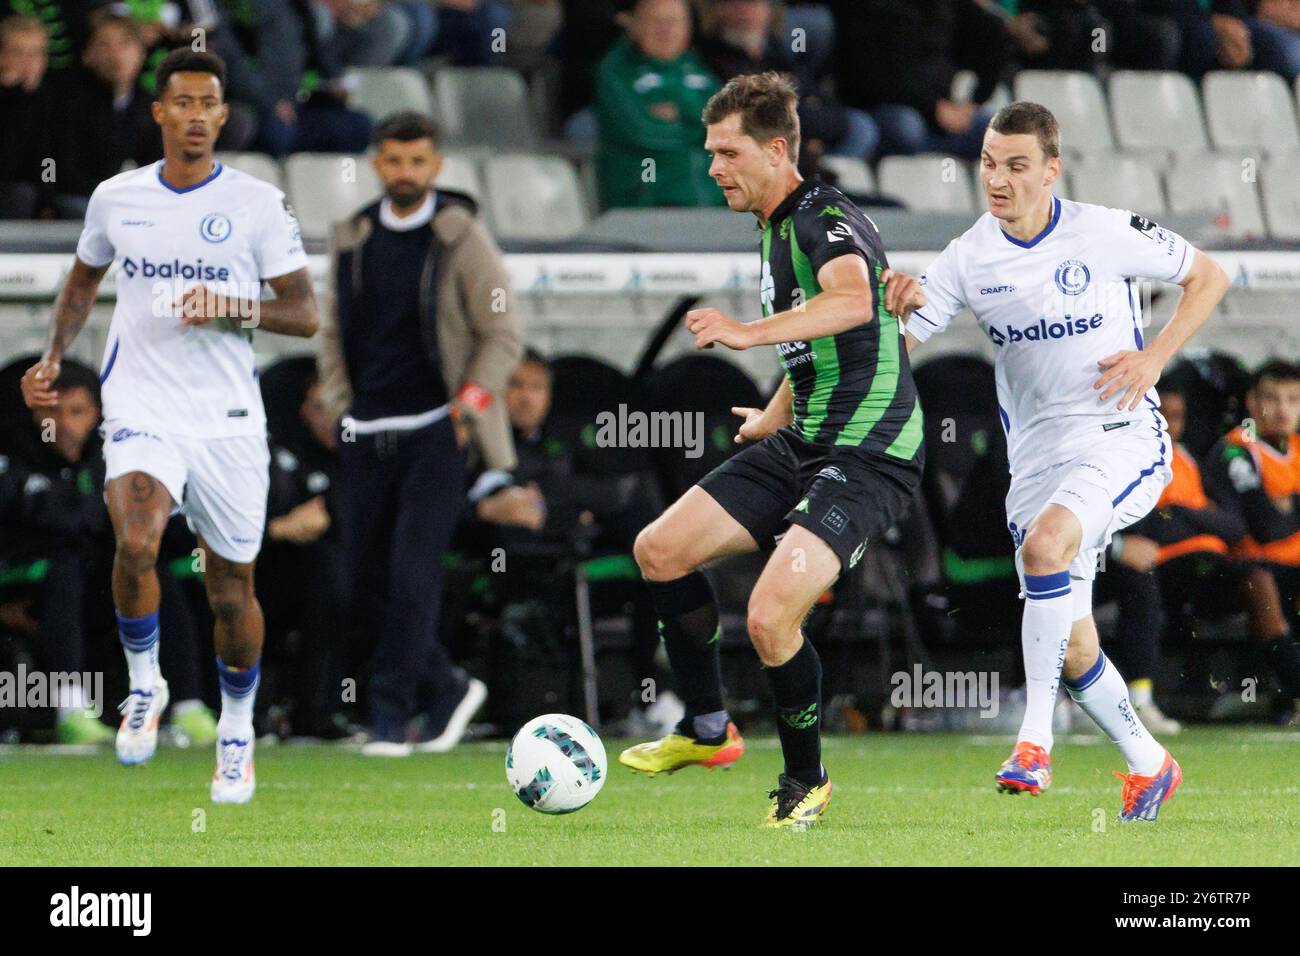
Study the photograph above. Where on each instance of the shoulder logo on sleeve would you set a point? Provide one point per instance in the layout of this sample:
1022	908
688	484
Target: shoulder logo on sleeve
215	227
839	232
1072	276
832	211
830	471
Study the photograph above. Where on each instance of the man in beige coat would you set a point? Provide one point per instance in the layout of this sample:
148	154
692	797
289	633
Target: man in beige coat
420	336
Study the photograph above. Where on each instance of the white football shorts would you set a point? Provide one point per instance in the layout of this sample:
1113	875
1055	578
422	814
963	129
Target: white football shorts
220	484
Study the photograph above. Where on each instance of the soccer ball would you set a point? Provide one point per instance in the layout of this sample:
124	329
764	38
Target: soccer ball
556	764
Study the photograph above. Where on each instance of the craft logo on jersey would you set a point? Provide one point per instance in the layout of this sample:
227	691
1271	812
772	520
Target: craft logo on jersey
1072	276
215	227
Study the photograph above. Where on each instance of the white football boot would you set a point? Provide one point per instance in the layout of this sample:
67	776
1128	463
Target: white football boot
233	781
137	736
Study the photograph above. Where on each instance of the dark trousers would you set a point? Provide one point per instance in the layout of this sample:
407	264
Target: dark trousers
401	495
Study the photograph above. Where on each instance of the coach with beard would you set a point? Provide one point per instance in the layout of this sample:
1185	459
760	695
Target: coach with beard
419	340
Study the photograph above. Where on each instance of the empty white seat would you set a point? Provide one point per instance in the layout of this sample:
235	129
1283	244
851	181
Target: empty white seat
255	164
533	197
383	90
460	172
1156	110
1250	111
929	182
1075	99
1119	181
854	175
1215	184
485	106
328	187
963	90
1280	185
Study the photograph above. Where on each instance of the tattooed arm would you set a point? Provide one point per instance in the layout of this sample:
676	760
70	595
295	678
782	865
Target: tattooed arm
71	309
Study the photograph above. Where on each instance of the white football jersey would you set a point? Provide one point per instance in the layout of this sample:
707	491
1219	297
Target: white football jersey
1054	306
229	232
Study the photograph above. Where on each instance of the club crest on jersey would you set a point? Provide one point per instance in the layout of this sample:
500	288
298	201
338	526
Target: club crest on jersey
1072	277
215	227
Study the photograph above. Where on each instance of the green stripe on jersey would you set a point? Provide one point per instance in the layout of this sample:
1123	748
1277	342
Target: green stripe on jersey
826	365
909	439
884	384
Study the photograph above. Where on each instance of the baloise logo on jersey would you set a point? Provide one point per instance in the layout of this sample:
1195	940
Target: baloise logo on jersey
198	271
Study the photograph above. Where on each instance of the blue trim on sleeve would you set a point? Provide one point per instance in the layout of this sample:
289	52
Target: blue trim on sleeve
1186	249
1056	217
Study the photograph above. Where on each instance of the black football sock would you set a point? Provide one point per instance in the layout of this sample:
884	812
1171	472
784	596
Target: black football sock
688	626
796	691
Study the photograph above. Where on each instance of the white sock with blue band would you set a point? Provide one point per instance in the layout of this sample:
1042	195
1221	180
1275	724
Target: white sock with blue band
139	637
1044	636
1103	695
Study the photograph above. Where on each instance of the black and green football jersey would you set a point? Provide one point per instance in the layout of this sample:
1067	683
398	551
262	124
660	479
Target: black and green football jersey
854	388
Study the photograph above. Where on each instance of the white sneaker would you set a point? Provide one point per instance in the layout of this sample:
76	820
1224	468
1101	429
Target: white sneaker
137	736
234	781
1155	721
458	722
386	748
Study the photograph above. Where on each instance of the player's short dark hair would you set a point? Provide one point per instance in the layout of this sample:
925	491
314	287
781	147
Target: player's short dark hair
73	374
406	126
1032	118
1276	370
767	104
185	60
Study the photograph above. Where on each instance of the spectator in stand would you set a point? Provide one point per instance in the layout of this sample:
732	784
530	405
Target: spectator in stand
65	24
467	31
1254	474
114	115
897	59
1275	31
1056	34
300	573
650	91
24	116
1237	35
543	501
744	37
363	32
277	63
52	510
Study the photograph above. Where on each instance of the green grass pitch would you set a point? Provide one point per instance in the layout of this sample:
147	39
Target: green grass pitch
898	800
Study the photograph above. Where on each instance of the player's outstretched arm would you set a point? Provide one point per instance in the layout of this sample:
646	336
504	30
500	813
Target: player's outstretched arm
71	310
844	303
1131	374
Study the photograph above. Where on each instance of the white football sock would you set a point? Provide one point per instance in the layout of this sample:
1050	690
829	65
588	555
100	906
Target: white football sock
143	667
1103	695
1044	636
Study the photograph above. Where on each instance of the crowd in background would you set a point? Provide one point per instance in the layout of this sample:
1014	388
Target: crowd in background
876	77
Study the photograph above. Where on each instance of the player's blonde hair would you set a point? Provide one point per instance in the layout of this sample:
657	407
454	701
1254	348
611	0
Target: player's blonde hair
767	104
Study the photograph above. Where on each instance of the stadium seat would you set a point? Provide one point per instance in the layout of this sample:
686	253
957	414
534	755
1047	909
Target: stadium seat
460	172
486	106
1280	186
1156	111
533	197
963	89
1213	183
383	90
255	164
930	182
328	187
854	175
1076	100
1250	111
1119	181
